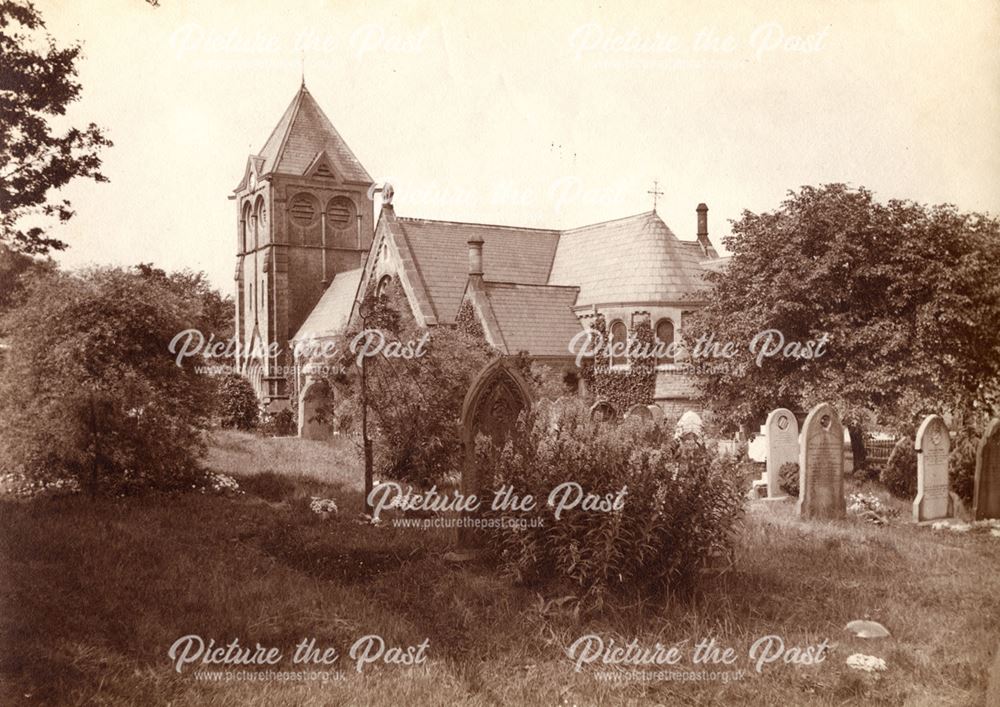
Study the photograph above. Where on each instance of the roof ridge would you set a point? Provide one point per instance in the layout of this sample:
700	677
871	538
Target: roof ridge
529	284
614	220
417	219
297	103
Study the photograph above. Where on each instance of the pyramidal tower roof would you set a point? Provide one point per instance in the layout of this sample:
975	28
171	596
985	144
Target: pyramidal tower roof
303	133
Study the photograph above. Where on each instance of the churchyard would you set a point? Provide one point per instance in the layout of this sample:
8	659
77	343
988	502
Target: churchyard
261	565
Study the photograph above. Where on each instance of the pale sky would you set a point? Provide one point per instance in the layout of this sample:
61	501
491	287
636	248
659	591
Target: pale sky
529	113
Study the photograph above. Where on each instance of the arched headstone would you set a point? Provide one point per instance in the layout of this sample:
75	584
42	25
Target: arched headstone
603	411
640	412
656	413
782	433
315	395
821	465
690	424
986	493
932	443
496	397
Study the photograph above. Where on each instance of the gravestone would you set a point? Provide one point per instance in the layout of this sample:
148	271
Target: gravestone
932	444
821	465
496	397
690	423
315	415
782	447
986	493
640	412
656	413
603	411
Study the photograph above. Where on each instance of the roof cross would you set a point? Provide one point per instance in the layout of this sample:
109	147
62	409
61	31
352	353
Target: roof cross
655	192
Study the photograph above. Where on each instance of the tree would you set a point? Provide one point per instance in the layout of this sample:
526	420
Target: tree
90	391
906	295
414	404
212	314
38	82
14	269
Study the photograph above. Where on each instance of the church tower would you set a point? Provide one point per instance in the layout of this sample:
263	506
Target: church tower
303	214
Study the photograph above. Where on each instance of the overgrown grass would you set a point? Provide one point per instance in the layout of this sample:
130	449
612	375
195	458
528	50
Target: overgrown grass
95	592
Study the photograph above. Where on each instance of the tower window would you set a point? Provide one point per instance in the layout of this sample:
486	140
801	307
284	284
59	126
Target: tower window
303	209
619	340
340	212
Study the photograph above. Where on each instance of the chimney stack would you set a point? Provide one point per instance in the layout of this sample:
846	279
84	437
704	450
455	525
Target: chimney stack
476	257
703	227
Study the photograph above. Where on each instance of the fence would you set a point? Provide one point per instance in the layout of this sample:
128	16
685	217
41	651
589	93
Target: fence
878	450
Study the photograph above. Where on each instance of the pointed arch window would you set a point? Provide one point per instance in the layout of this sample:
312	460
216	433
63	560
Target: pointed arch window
247	228
664	341
619	341
382	287
260	221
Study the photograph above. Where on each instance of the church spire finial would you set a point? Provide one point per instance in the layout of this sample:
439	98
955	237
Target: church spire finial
302	61
655	192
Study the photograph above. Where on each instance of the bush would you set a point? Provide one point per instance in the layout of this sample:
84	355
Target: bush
237	403
788	478
962	462
681	504
90	392
280	424
900	473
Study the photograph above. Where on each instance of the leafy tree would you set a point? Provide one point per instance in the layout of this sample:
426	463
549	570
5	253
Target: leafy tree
414	404
37	82
14	268
90	391
212	314
907	295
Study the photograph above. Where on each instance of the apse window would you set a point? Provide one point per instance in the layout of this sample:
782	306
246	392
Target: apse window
664	342
619	344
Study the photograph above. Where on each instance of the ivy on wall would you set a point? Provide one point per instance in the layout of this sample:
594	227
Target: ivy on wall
468	322
622	387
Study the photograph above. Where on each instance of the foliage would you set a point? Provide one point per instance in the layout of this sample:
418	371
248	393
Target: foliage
15	269
414	404
237	404
90	391
900	473
37	83
211	312
788	478
907	295
279	424
622	387
871	508
680	508
962	461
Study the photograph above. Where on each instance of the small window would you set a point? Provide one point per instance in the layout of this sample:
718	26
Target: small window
619	342
247	226
664	342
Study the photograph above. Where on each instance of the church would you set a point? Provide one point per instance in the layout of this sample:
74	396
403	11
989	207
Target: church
309	246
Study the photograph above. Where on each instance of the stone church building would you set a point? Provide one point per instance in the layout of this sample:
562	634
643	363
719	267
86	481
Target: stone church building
308	246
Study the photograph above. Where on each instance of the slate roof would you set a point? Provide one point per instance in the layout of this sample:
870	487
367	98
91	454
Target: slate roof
331	313
304	132
538	319
634	259
440	253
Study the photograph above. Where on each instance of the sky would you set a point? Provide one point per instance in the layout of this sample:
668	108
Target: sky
527	113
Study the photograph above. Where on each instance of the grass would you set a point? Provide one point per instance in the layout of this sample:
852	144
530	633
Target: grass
93	593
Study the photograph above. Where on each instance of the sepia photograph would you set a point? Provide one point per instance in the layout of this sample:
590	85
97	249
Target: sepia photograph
500	353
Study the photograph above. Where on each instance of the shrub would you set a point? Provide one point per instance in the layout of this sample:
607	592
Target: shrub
681	504
280	424
90	392
237	403
788	478
900	473
962	462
